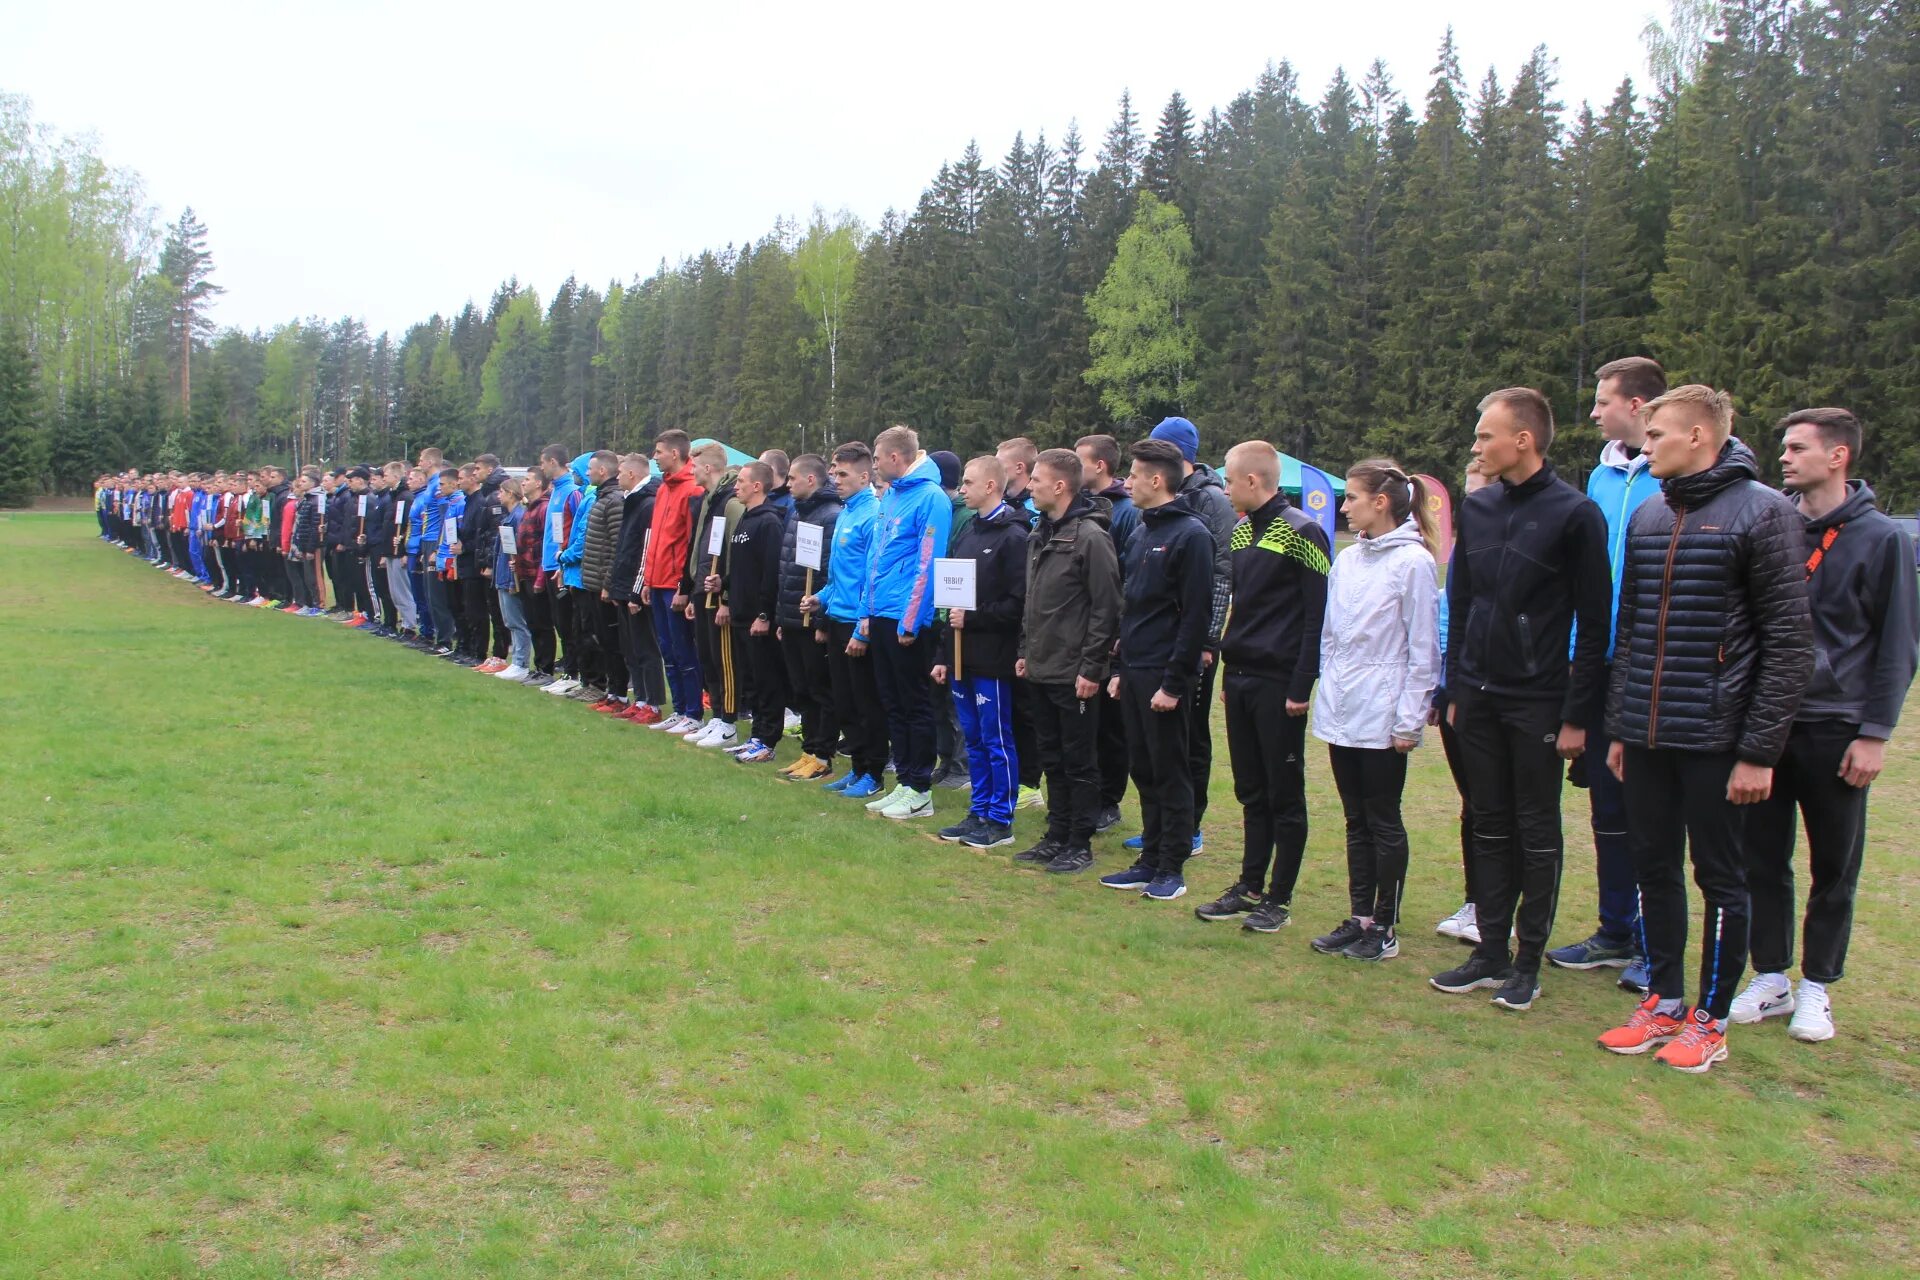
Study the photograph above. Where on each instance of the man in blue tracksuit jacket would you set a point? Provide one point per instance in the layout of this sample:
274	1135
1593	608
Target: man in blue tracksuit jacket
856	697
1617	486
911	529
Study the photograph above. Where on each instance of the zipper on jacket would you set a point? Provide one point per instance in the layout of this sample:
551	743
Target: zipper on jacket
1660	638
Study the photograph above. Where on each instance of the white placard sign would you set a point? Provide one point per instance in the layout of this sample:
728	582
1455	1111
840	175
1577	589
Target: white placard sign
806	544
953	584
508	543
450	530
363	506
716	535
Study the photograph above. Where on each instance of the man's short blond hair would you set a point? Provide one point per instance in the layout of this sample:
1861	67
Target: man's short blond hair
991	468
1704	405
1020	450
712	454
1257	458
902	440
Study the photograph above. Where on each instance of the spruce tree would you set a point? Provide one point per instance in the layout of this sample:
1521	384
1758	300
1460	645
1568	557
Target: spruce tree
20	434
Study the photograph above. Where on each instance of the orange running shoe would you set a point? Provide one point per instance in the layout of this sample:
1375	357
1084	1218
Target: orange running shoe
1648	1028
1697	1048
644	713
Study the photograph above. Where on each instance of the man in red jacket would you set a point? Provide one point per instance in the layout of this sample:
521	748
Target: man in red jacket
662	564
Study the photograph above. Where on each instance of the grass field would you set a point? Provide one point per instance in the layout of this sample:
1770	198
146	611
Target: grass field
321	958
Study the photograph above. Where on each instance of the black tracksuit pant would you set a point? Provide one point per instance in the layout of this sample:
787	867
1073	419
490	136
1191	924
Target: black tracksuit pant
1066	729
1677	806
539	607
475	592
1111	747
383	593
721	664
1371	781
1457	765
903	675
1808	779
768	666
1268	751
856	703
353	571
1199	709
1514	774
810	690
1162	761
609	640
641	648
1026	742
560	601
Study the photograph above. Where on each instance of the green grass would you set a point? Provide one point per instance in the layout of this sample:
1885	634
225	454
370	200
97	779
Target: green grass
319	958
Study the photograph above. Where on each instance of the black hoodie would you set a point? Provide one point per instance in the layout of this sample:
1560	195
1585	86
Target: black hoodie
636	518
1530	559
752	564
1866	616
1169	596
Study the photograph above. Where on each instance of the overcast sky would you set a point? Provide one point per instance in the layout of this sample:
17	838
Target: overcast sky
389	160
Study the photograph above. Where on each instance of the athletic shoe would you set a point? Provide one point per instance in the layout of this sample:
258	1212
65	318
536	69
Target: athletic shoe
1271	916
738	747
724	736
914	804
1377	943
1518	992
988	834
787	772
1636	977
1648	1028
1108	819
842	782
1472	975
1135	877
564	685
791	722
890	769
1766	995
511	673
1231	905
1455	925
494	666
646	713
1812	1013
355	619
878	803
677	724
1696	1048
539	679
312	612
608	706
1597	952
1344	935
1165	888
1040	854
814	768
755	752
1071	861
1030	798
861	787
696	736
952	776
285	608
959	831
1134	844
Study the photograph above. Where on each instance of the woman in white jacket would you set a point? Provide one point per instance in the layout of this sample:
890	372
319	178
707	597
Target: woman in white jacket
1379	662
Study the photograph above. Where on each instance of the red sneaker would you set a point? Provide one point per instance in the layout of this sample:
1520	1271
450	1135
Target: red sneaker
609	707
1696	1048
644	713
1648	1028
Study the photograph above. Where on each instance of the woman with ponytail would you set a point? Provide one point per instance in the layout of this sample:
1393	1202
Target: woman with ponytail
1379	663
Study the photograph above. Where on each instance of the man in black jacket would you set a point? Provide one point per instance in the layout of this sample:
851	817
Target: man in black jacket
1711	655
816	504
1529	561
1072	615
753	597
978	648
1163	631
1865	606
639	643
1271	650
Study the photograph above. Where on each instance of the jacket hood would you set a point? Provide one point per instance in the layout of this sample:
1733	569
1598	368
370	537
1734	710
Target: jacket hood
1182	504
492	483
1613	455
820	497
1203	475
579	469
1408	534
1859	502
1083	507
925	471
646	488
1114	492
767	509
1735	464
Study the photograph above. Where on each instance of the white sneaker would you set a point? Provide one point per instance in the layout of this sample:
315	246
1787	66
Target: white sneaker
511	673
1454	925
1812	1013
724	736
910	804
1766	995
687	727
878	803
697	734
671	724
564	685
792	722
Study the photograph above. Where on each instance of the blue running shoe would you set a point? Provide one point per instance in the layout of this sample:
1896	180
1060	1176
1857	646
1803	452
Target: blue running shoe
841	783
1134	877
865	787
1637	976
1199	843
1166	888
1134	845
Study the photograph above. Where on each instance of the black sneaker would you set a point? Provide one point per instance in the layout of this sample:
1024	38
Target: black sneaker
1271	916
1231	905
1070	861
959	831
1344	935
988	834
1046	851
1475	973
1109	819
1518	991
1375	944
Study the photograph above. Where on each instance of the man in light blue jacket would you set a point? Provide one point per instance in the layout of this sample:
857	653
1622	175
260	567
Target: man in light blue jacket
1618	485
910	529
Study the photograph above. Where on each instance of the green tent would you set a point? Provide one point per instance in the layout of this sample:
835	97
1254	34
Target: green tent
1290	477
735	458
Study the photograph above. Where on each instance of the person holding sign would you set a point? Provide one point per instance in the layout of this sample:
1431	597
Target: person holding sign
983	587
753	596
507	584
718	512
803	573
353	550
632	617
1072	612
1164	625
913	527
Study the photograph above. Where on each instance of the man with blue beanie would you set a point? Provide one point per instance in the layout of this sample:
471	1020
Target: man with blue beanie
911	529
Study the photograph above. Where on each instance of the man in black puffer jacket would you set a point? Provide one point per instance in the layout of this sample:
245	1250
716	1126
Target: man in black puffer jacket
1529	561
1713	650
809	684
633	618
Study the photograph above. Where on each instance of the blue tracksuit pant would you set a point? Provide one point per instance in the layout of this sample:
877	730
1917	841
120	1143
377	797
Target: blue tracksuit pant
985	708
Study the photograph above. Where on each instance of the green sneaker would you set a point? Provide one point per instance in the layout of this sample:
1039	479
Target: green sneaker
1030	798
878	803
911	804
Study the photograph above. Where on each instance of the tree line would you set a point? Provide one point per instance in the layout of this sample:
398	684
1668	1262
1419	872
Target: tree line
1343	272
